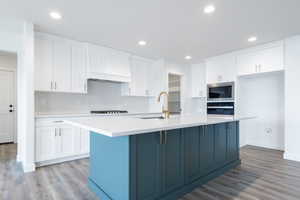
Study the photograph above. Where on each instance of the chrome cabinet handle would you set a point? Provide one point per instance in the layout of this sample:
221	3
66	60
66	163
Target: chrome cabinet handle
55	85
59	131
51	85
55	132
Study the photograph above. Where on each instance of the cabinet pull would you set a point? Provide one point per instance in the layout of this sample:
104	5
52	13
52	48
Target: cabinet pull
51	85
166	137
55	85
59	131
55	132
161	137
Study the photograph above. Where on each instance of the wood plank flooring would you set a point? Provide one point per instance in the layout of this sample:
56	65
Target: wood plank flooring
263	175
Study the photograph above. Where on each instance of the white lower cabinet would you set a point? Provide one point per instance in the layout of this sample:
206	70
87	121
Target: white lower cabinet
59	141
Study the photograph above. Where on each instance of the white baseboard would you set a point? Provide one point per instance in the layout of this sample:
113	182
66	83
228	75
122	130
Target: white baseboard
30	167
291	156
61	160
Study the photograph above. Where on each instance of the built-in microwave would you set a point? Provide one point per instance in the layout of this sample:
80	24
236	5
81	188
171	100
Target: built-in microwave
220	91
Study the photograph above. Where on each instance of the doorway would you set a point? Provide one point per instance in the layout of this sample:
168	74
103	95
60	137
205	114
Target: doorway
7	97
174	86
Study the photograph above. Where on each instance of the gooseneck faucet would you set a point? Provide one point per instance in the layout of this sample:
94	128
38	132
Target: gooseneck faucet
165	111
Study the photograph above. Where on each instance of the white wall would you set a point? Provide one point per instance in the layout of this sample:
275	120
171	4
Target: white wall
17	37
292	98
262	96
101	95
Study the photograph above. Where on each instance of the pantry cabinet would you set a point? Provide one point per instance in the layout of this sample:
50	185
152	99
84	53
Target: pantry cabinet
260	61
60	64
55	140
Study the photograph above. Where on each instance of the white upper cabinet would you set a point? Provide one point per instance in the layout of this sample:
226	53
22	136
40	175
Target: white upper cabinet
60	64
79	68
43	64
221	69
266	59
108	64
140	79
198	74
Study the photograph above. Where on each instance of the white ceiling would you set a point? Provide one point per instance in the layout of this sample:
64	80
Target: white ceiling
172	28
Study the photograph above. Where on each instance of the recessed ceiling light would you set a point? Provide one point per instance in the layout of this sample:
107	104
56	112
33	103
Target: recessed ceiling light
209	9
55	15
142	43
252	39
188	57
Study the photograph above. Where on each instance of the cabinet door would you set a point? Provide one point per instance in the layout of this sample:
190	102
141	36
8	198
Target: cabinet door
173	163
192	153
206	149
221	69
146	165
43	64
62	66
84	141
220	144
199	81
232	142
65	141
271	59
138	84
79	64
45	143
247	63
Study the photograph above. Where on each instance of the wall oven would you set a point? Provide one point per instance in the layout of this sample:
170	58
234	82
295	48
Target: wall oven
220	92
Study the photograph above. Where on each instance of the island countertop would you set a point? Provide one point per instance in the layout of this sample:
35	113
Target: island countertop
124	126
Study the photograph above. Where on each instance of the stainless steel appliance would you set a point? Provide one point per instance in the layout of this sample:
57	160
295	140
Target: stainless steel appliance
220	92
220	108
109	112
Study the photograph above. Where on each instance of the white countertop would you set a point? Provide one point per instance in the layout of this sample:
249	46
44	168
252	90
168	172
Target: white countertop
128	125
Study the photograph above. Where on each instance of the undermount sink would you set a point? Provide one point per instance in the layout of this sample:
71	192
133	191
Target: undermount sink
160	117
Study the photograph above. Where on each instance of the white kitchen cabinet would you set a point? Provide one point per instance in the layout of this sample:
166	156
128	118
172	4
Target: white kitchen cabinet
43	64
45	143
140	79
65	141
108	64
198	74
260	61
62	72
60	64
79	68
57	141
221	69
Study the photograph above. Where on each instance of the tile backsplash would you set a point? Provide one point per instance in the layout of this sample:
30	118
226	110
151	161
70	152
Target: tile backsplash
102	95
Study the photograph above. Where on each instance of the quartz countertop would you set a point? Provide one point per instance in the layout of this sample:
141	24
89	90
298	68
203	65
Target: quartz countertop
114	126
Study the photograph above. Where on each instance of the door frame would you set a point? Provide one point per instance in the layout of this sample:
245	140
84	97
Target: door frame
9	69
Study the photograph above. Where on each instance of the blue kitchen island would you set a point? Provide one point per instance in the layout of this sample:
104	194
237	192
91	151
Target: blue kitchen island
163	160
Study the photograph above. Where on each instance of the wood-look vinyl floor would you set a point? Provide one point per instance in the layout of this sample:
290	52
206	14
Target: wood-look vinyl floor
263	175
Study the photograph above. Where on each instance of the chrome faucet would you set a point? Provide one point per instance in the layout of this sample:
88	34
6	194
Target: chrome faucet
165	112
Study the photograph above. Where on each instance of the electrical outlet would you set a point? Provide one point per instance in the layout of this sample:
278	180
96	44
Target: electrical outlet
268	130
